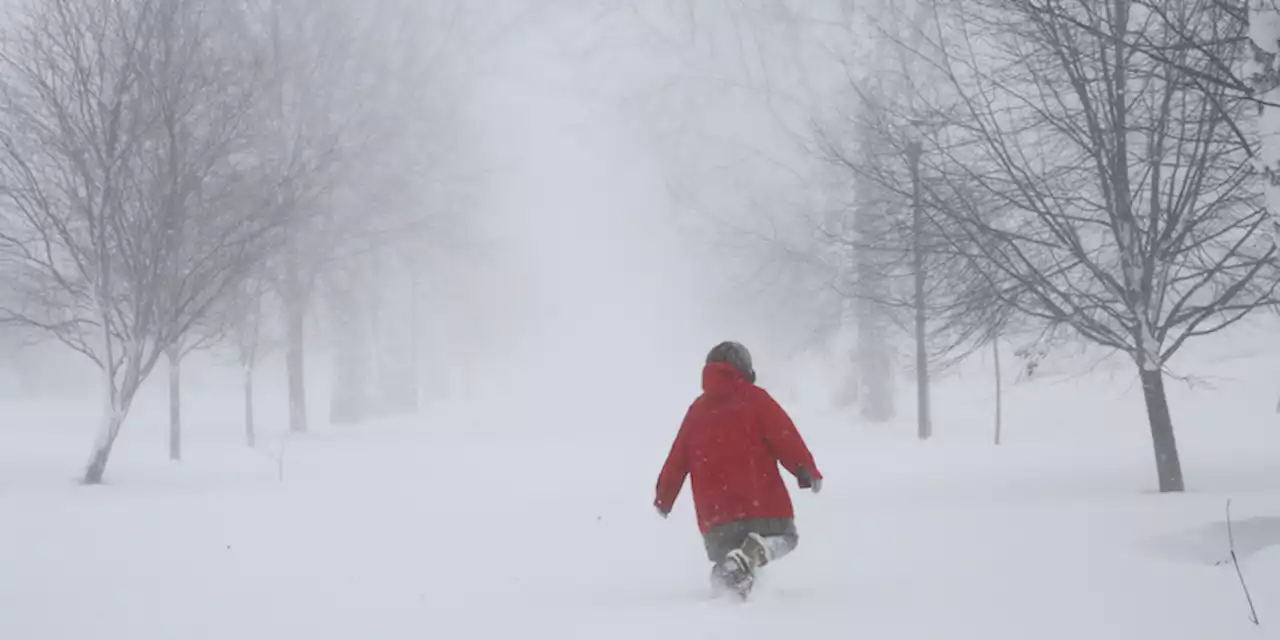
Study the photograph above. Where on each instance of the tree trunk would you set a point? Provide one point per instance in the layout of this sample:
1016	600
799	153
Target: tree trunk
414	373
397	381
174	355
117	398
295	312
995	353
250	437
295	370
348	401
923	422
373	343
97	467
848	323
112	419
874	376
1168	466
1263	71
850	392
876	366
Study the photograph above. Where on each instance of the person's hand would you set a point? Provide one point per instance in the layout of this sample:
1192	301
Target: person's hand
662	510
807	481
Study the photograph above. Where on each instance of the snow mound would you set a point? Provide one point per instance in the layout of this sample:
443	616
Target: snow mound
1210	544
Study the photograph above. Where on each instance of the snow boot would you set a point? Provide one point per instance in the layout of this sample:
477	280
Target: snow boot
737	573
756	550
721	579
733	575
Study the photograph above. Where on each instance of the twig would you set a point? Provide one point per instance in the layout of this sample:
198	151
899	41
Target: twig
1231	540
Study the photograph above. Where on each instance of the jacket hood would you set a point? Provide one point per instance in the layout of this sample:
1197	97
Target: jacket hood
721	378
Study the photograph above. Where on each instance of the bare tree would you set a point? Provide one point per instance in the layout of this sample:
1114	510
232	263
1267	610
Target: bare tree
361	102
248	321
912	265
204	94
1255	23
871	288
1127	205
103	194
307	49
1262	76
903	271
723	90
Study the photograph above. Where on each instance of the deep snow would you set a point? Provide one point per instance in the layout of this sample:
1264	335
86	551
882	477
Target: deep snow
509	519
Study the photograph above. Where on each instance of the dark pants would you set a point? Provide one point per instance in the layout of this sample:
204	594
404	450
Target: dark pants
722	539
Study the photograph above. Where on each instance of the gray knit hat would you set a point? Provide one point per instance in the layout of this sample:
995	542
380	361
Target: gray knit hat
735	354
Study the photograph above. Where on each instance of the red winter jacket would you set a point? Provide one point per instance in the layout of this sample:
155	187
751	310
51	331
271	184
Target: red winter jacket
731	442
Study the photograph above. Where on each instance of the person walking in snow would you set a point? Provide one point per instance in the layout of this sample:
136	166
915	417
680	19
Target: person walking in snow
730	444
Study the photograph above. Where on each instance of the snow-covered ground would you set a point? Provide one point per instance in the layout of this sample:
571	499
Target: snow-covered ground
515	518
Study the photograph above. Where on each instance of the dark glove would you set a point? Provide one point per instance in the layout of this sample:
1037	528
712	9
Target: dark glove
807	481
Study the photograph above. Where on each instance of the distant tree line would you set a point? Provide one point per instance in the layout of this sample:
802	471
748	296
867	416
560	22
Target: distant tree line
1096	172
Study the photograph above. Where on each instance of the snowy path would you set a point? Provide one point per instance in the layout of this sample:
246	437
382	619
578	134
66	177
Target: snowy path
397	535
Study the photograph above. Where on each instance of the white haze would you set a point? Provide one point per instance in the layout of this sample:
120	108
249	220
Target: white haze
568	259
566	271
613	298
604	212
